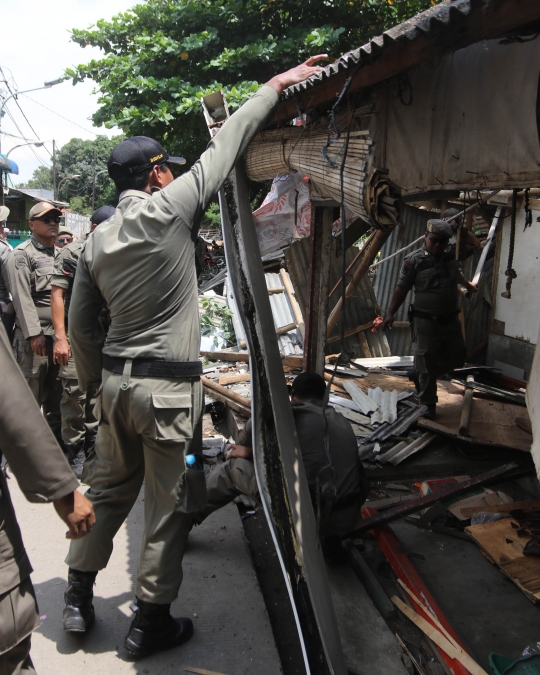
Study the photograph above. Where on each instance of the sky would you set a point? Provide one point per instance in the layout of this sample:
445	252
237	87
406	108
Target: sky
35	48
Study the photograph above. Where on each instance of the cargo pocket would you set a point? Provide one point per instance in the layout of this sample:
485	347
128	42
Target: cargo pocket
42	279
172	413
192	496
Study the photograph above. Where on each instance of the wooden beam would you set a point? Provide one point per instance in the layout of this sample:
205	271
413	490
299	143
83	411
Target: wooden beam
232	379
294	303
487	20
317	289
291	361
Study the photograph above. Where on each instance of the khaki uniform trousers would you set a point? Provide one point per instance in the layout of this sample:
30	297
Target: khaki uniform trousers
76	407
439	348
18	618
42	377
146	427
237	476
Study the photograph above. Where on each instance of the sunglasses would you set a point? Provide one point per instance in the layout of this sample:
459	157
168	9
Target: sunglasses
436	240
65	240
49	219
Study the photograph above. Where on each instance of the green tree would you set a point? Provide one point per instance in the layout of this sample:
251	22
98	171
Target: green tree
77	158
41	179
162	56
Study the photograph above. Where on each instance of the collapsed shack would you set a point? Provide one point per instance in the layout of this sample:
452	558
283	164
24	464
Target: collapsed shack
409	140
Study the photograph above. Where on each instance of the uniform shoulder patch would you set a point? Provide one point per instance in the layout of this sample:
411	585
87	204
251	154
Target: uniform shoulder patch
20	261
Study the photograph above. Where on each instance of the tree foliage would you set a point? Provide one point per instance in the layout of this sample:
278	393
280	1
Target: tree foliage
77	158
162	56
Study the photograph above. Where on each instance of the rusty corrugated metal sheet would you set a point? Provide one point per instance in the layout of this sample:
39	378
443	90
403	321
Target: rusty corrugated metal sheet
362	308
448	14
386	275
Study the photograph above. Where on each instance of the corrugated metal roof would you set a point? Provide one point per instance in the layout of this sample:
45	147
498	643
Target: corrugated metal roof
386	275
448	13
362	308
282	312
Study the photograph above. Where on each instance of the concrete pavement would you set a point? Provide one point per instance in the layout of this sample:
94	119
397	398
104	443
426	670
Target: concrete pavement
220	593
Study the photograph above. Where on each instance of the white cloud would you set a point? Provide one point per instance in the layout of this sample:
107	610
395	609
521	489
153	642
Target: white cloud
35	48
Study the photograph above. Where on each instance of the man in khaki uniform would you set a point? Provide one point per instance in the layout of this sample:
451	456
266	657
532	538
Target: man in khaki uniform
79	426
5	250
150	403
30	269
64	237
338	517
43	475
435	274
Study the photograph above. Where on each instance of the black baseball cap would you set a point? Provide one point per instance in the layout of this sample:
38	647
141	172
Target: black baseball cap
138	154
102	214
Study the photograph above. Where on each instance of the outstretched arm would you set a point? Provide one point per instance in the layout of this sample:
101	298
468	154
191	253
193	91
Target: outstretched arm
400	293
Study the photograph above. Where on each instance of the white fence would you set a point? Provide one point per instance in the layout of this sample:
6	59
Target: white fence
78	224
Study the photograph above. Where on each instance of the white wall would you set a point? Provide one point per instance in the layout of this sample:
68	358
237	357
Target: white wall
521	314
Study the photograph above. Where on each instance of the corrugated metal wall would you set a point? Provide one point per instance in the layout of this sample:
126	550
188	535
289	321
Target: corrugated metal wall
362	308
386	275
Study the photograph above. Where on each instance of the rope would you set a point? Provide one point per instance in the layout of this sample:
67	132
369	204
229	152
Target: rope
528	212
511	273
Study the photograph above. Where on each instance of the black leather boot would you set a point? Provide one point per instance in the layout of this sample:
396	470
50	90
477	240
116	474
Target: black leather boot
154	630
79	610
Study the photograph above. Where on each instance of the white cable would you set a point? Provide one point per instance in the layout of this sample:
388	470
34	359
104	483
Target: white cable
379	262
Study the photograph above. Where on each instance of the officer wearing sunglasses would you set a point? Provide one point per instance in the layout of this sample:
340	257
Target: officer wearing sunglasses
30	268
434	273
65	237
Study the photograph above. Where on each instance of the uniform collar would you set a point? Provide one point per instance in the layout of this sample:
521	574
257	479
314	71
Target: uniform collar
41	247
138	194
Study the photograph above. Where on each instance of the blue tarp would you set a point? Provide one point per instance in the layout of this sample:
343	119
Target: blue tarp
8	165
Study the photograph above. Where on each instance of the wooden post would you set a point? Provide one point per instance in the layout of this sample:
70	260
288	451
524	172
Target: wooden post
317	288
466	407
371	251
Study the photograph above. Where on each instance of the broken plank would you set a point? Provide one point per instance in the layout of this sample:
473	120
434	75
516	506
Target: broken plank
220	355
231	379
201	671
282	330
529	505
439	639
418	504
238	403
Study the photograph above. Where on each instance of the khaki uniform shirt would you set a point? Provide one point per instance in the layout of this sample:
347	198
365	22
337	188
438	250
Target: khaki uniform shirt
65	265
5	250
435	280
142	263
30	269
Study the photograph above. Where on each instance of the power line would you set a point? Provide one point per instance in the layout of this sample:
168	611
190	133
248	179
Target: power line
20	131
59	115
17	102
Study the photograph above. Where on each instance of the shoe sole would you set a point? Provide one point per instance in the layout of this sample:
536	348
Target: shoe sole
139	652
78	625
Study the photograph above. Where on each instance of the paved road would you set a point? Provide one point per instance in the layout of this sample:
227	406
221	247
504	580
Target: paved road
220	592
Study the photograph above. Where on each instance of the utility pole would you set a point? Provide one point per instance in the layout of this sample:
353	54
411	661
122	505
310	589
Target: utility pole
54	168
94	181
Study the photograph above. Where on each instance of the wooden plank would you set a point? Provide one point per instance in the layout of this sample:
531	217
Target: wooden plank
227	393
440	640
318	279
231	379
294	303
529	505
501	544
201	671
406	571
466	408
292	360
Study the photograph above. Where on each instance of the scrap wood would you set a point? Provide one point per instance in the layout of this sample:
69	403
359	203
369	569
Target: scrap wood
282	330
407	651
235	401
466	407
201	671
378	519
488	390
232	379
428	613
293	302
439	639
221	355
502	545
529	505
405	570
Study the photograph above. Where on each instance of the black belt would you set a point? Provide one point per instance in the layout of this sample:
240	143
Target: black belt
440	318
153	367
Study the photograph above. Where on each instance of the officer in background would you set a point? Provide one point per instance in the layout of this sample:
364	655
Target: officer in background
79	426
5	250
43	476
338	517
64	237
473	243
434	273
151	398
30	268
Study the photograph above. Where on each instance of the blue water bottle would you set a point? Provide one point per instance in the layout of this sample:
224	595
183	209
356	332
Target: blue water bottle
193	463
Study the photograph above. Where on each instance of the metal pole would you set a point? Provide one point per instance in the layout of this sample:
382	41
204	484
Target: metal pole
54	168
94	181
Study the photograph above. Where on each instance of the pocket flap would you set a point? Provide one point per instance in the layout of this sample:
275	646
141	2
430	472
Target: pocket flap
171	400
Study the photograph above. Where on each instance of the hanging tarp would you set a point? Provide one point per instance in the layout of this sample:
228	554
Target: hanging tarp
466	121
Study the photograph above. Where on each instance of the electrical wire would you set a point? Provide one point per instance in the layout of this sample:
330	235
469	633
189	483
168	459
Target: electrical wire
14	94
31	148
59	115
